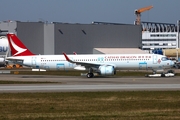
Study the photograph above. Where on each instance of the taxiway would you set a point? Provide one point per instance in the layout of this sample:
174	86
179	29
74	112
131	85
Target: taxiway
78	83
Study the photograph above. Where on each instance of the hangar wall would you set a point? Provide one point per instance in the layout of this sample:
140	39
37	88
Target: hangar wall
55	38
32	35
11	26
82	38
48	39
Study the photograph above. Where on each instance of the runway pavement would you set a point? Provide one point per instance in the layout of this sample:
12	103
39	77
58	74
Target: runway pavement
78	83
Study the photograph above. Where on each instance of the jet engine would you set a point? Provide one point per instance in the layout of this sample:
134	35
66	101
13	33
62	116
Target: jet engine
106	70
2	62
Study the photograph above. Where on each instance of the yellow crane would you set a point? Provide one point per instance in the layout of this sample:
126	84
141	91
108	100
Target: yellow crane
138	14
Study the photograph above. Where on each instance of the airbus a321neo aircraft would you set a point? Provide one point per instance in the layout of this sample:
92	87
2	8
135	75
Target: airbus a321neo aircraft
103	64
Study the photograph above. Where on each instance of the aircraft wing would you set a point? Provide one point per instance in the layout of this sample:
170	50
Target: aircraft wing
87	65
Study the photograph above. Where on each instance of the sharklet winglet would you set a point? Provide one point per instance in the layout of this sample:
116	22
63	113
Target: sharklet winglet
67	58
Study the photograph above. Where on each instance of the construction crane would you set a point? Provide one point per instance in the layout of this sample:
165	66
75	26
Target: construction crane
138	14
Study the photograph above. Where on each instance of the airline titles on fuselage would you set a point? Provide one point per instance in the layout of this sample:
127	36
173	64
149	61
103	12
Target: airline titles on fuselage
127	57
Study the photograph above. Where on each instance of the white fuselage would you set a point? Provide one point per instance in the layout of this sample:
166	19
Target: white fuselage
119	61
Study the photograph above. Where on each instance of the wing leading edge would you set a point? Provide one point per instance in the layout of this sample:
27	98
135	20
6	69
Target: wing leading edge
87	65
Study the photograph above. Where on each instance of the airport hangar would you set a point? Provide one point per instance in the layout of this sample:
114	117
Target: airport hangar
97	37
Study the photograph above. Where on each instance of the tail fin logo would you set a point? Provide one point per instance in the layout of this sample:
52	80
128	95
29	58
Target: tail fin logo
17	48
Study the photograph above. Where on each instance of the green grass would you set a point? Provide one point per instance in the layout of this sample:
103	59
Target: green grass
62	73
138	105
25	82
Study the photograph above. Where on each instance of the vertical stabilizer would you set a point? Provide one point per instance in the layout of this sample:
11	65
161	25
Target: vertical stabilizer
17	47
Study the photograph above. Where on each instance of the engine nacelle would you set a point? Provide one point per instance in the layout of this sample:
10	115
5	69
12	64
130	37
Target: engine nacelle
106	70
2	60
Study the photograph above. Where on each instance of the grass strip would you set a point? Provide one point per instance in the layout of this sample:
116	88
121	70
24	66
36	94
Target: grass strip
25	82
133	105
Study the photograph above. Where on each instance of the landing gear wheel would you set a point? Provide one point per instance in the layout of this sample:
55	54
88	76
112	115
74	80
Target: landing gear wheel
170	71
163	75
90	75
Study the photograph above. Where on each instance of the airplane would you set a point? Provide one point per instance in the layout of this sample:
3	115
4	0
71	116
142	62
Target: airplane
103	64
3	50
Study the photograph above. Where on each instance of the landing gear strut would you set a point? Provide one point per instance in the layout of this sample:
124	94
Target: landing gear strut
90	74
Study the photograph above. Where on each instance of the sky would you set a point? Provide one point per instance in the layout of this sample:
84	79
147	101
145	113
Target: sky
87	11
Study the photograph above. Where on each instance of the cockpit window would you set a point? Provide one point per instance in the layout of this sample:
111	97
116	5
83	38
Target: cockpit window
164	58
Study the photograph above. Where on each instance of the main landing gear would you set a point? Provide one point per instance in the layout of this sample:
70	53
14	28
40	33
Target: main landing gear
90	73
